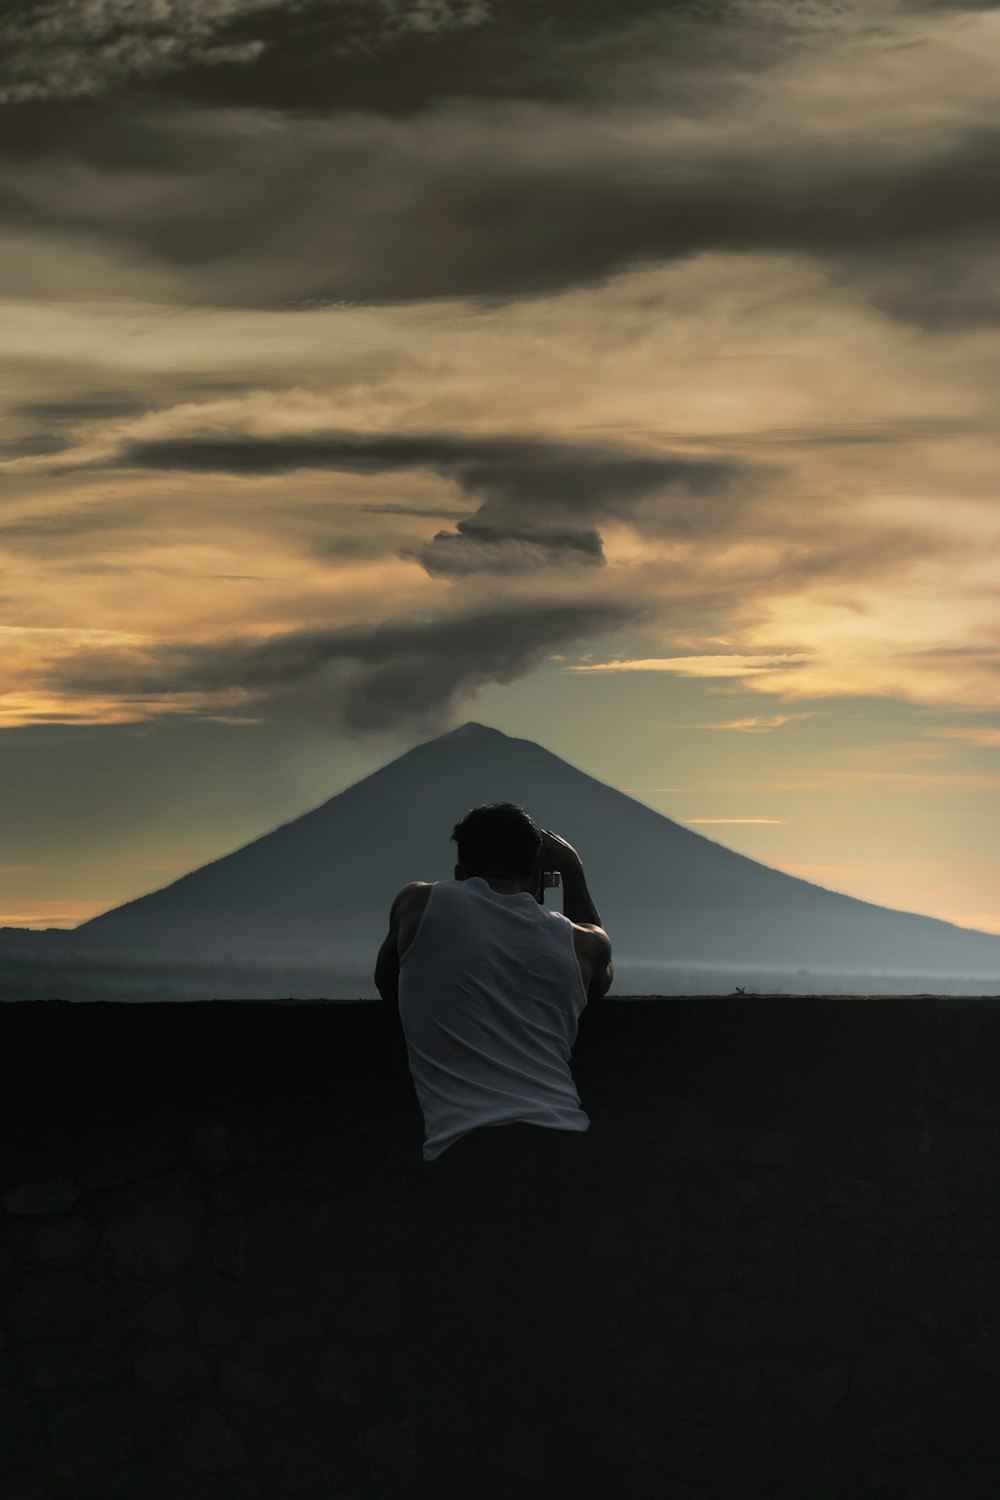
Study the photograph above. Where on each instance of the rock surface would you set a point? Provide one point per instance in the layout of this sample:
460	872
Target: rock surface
796	1241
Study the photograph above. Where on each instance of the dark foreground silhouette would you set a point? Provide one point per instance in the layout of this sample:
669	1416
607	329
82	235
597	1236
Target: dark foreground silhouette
788	1284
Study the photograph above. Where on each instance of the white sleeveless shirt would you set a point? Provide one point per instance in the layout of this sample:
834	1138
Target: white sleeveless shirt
490	998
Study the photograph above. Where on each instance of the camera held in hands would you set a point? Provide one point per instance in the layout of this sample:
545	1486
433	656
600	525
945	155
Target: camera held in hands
551	880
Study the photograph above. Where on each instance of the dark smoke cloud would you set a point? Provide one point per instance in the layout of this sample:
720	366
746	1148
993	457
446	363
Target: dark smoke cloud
499	207
372	679
476	548
538	502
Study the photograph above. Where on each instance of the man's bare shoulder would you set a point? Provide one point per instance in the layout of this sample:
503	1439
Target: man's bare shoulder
408	904
592	937
411	896
407	911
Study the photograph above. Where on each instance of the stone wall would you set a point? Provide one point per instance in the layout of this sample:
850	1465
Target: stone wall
798	1235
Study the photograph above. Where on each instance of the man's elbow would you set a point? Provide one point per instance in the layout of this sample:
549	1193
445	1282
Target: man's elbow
387	985
602	982
383	975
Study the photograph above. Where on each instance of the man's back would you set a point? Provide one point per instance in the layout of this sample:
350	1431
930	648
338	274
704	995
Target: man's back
490	996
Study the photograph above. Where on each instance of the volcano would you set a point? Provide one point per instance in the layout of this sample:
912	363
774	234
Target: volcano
307	904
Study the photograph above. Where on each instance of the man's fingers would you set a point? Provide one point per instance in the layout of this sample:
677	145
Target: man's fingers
556	852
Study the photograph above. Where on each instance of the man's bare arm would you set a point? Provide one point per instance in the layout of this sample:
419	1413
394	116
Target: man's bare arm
387	963
578	903
387	970
579	907
404	916
603	972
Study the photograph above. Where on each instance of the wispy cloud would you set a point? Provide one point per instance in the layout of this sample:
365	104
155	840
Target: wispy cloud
986	736
721	665
732	820
758	724
965	677
830	779
67	636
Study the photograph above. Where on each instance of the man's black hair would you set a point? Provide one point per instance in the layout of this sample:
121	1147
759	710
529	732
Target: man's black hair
497	838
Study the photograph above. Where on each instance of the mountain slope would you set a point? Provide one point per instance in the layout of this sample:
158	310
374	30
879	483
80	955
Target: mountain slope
319	888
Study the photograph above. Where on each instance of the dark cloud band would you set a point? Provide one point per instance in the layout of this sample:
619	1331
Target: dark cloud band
313	54
538	502
374	679
508	204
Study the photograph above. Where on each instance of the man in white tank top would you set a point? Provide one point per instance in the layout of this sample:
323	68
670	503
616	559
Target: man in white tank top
490	985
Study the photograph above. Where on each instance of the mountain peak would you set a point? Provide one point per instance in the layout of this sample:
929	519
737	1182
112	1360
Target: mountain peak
472	735
472	730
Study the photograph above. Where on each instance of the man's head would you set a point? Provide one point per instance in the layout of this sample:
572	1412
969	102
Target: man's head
499	839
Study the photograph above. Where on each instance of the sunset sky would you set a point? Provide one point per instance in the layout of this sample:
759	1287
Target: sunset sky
623	375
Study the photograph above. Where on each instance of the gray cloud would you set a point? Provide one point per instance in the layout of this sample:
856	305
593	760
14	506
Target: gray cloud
538	502
68	48
62	523
889	432
43	415
363	680
58	533
428	512
393	56
85	409
82	48
505	201
475	548
315	527
33	445
55	395
947	284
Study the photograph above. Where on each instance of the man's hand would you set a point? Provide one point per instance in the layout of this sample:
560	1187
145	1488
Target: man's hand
557	854
578	904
